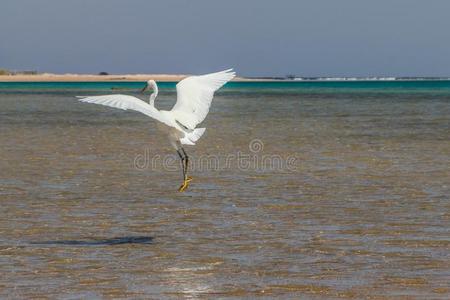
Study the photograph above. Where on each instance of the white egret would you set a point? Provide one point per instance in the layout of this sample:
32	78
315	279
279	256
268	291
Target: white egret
194	96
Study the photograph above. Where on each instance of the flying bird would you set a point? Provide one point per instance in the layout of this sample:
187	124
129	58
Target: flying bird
194	96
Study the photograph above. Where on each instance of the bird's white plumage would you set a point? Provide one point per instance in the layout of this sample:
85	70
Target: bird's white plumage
194	96
127	102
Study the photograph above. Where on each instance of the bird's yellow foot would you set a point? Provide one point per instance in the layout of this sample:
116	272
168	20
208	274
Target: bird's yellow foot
185	184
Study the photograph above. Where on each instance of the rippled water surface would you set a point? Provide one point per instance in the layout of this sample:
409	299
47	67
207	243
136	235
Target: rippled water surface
351	202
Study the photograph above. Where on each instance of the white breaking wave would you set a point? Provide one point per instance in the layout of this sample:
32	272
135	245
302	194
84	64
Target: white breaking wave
345	78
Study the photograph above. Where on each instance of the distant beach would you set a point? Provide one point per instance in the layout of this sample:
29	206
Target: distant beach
50	77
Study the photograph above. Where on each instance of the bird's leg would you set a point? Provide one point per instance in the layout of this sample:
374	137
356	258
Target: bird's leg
185	162
182	164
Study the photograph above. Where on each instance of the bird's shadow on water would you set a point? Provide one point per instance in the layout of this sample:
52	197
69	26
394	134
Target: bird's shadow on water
99	242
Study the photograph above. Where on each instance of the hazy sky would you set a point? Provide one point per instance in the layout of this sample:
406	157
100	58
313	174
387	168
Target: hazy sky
256	37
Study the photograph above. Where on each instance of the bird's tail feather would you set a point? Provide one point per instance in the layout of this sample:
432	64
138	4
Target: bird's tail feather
193	136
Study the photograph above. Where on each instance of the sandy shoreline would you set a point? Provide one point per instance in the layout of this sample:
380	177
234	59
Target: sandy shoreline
47	77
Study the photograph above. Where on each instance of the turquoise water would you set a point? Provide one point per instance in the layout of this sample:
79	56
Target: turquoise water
322	86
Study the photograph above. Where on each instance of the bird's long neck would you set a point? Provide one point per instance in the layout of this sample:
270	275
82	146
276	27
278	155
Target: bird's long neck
153	96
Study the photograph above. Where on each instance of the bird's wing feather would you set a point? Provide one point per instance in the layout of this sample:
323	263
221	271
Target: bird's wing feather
194	96
126	102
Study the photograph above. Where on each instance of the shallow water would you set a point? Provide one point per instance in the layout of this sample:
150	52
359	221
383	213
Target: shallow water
351	201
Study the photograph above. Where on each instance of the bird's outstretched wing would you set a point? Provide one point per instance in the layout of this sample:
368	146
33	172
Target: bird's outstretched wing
194	96
126	102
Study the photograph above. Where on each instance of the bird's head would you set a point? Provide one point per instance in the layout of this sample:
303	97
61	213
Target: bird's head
149	85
